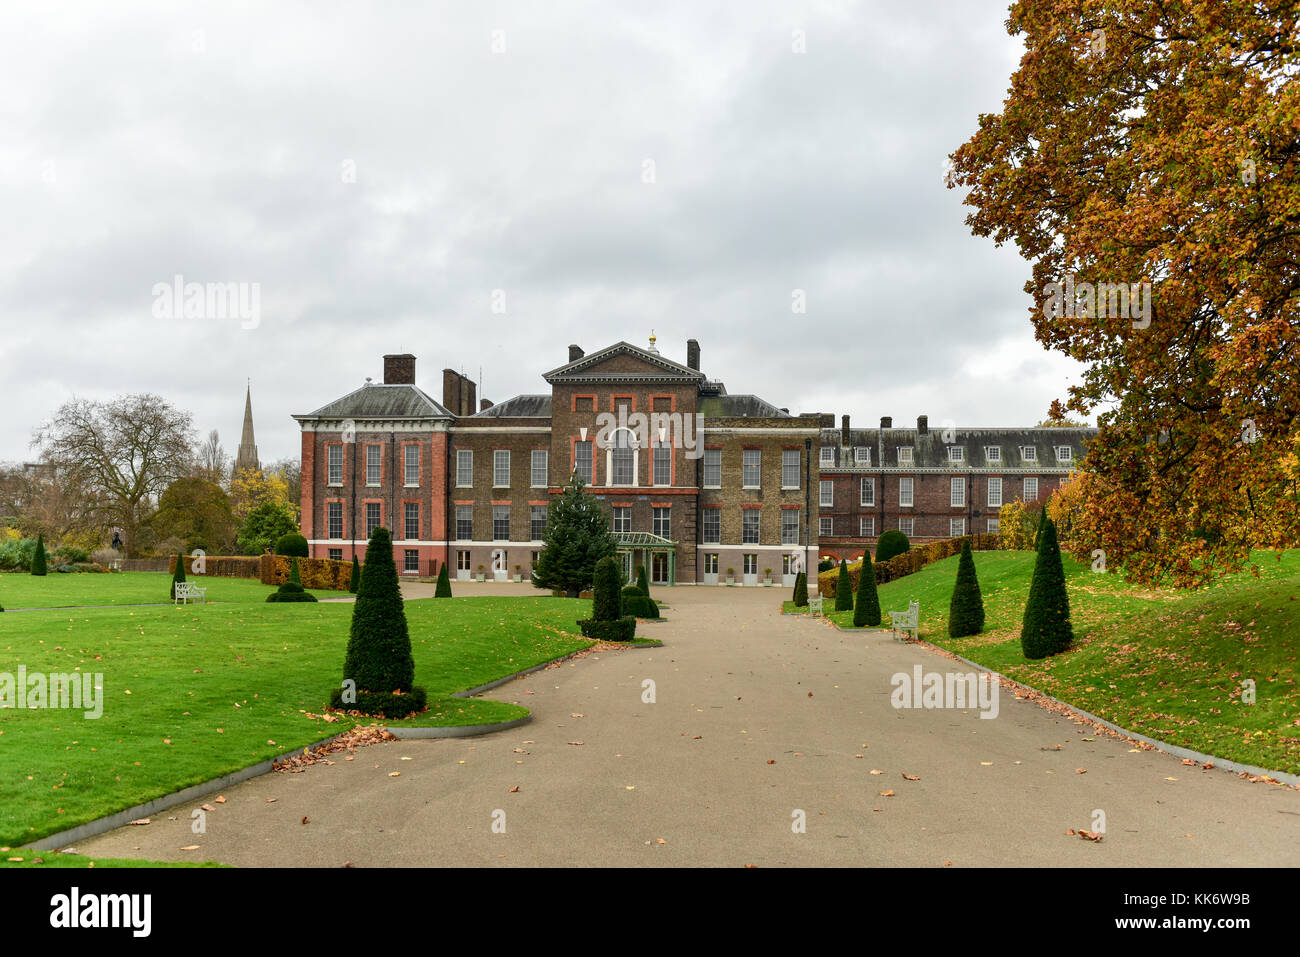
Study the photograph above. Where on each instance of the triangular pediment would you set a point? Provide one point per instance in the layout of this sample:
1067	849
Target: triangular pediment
622	362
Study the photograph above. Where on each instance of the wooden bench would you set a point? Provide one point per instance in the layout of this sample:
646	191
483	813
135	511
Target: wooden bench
188	590
901	622
815	606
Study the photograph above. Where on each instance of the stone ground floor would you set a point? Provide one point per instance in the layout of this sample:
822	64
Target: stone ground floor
758	722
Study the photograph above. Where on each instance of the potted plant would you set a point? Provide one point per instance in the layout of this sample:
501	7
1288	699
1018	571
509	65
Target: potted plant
767	576
731	576
479	576
519	574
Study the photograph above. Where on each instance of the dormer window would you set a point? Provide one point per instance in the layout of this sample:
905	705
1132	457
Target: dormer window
1064	453
828	455
993	453
905	455
1029	454
956	453
862	456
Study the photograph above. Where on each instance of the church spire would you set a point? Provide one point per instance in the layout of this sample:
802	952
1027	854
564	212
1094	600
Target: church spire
246	457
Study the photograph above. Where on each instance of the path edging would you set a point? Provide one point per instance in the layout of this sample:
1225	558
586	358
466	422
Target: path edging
1177	750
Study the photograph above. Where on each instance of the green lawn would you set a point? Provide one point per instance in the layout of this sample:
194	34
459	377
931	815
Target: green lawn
1168	664
194	692
124	588
47	859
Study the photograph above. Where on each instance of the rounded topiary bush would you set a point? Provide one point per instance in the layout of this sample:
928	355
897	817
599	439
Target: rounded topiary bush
293	544
379	665
891	544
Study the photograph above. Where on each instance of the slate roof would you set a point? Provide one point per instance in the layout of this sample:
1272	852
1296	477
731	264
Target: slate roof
381	401
520	407
578	367
739	406
930	451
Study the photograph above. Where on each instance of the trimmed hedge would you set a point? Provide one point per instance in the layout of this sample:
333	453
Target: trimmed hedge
225	566
608	621
620	629
322	573
910	561
638	604
290	592
292	544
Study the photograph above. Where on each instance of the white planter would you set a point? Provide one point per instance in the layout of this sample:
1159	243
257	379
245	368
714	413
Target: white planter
767	581
479	577
730	580
519	578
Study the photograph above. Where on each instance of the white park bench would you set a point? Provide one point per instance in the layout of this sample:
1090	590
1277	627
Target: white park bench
185	591
905	621
815	606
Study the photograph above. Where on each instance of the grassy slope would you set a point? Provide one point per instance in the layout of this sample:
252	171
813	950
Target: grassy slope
48	859
124	588
1165	663
221	682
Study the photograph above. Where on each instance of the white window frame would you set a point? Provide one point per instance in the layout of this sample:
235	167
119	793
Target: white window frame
590	448
330	465
378	451
532	521
826	456
789	532
957	492
994	526
544	468
956	527
907	525
1031	479
662	450
905	455
1064	453
464	467
706	532
906	492
379	517
867	491
786	455
862	455
956	453
826	526
661	521
407	463
866	526
500	456
826	493
622	518
751	460
745	538
468	520
406	521
329	520
995	491
993	453
712	454
496	511
634	447
1029	453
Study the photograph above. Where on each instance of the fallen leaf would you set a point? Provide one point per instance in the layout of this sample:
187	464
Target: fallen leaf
143	820
207	807
304	820
875	770
514	789
887	794
190	847
575	742
911	777
394	774
1080	770
220	799
660	840
270	800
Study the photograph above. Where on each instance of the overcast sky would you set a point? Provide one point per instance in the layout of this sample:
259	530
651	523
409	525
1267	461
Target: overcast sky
378	170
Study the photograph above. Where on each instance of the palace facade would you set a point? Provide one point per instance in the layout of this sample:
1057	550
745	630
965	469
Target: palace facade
701	485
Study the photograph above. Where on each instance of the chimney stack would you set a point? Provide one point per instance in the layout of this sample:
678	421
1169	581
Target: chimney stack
484	404
399	369
886	422
457	393
844	431
922	425
575	353
692	355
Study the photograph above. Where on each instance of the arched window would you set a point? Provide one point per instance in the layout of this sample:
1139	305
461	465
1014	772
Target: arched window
621	467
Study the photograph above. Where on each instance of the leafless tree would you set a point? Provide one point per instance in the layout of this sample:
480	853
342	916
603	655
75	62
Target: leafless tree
211	461
125	452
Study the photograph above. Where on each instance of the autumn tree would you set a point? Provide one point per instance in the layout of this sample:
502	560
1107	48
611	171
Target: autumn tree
124	452
197	512
1143	163
251	488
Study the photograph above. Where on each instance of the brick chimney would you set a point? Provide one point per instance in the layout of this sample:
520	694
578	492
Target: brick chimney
399	369
844	431
692	355
484	404
922	425
575	353
457	393
886	422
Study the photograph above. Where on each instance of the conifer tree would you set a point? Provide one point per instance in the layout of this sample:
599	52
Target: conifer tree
866	612
178	574
843	589
1046	629
966	610
444	583
38	557
578	535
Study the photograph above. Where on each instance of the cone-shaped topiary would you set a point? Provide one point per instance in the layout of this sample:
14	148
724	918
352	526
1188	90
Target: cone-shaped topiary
355	582
1046	629
444	583
843	589
295	575
178	574
642	581
892	542
38	556
866	611
379	661
607	622
801	590
966	612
